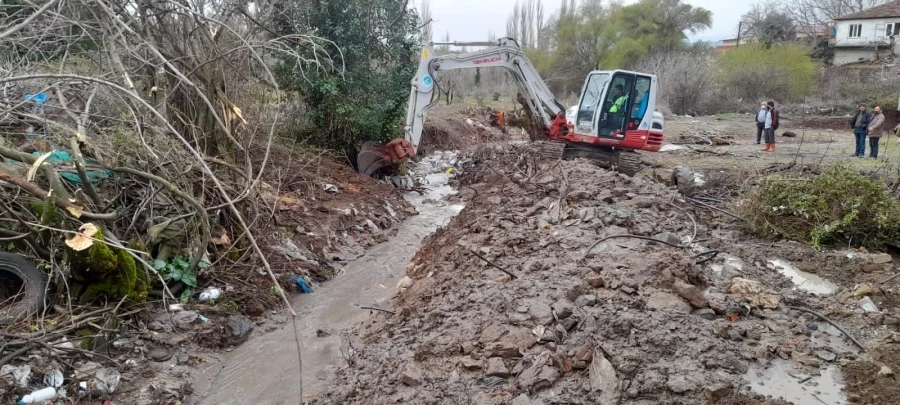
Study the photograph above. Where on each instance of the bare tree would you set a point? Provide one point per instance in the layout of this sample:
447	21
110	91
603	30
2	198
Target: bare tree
810	13
526	23
426	19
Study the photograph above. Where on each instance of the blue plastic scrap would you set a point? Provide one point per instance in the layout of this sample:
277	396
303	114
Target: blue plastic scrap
303	285
39	98
61	156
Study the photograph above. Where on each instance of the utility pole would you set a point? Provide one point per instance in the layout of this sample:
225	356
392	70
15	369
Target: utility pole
740	26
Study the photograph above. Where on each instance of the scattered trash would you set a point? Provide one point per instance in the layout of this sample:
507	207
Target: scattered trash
18	376
210	294
54	378
176	307
331	188
670	147
106	381
202	318
868	305
39	396
303	285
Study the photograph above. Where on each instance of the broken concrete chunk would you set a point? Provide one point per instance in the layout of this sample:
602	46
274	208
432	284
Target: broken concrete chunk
881	258
586	301
663	301
692	294
496	368
751	291
541	313
469	363
563	309
826	355
505	350
805	359
604	382
411	375
595	280
537	377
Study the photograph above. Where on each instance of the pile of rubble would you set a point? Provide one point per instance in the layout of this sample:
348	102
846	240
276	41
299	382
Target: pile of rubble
567	283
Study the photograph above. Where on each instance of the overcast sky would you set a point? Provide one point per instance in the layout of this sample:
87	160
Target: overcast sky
471	20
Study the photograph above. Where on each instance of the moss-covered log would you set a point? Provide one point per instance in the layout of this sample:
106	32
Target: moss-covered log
104	271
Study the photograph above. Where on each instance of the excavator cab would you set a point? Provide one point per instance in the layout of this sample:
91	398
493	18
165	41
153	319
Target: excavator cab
613	103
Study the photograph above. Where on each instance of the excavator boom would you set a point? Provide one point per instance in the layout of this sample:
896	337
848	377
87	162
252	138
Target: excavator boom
611	116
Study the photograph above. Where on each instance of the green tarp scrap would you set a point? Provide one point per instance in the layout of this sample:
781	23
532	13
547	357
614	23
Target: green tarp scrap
61	156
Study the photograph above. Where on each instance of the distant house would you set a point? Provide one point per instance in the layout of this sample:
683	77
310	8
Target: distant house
728	44
803	33
869	35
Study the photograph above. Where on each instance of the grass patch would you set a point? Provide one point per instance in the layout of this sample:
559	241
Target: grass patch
838	206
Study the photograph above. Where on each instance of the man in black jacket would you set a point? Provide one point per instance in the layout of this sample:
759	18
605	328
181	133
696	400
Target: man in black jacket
860	125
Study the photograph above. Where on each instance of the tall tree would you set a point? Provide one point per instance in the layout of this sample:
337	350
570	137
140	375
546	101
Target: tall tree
652	26
526	23
766	25
426	19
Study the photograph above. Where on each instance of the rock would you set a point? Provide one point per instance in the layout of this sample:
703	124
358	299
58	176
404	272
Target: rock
605	384
627	290
586	301
549	336
774	326
541	313
523	400
182	358
240	327
805	359
537	377
505	350
411	375
885	371
106	381
496	368
320	333
826	355
569	324
864	290
404	283
751	291
669	237
718	393
663	301
184	319
717	302
522	309
470	364
158	326
881	258
160	354
679	384
584	353
563	309
730	272
595	280
691	293
705	313
868	305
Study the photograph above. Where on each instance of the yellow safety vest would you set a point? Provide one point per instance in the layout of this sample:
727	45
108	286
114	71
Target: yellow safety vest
619	103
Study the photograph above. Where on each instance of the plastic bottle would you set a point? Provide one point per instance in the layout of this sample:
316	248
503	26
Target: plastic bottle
39	396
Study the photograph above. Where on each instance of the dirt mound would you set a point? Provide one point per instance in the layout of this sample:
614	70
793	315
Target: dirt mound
461	128
590	313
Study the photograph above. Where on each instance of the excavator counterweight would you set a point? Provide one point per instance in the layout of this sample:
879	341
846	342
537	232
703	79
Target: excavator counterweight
616	114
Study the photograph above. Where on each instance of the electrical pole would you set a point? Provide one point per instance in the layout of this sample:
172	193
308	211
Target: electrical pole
740	25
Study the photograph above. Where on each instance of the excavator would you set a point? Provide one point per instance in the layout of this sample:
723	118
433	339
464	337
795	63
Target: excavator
616	114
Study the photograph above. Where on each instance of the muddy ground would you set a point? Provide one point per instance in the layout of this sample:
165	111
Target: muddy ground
587	319
626	321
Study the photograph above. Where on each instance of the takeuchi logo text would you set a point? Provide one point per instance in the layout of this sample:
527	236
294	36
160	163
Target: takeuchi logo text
487	60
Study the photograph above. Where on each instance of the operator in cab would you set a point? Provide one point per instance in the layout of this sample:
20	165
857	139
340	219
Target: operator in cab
619	98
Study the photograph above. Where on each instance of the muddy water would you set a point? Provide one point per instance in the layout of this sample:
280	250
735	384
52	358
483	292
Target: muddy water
802	280
264	370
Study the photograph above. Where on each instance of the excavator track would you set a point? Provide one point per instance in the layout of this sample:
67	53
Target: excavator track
551	150
629	163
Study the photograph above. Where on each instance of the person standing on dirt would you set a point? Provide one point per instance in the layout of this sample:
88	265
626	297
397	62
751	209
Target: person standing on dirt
770	125
761	120
875	132
860	125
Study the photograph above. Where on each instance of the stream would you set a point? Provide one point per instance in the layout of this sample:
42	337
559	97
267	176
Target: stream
264	369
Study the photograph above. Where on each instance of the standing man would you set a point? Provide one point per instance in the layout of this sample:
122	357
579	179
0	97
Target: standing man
860	125
875	132
761	121
770	125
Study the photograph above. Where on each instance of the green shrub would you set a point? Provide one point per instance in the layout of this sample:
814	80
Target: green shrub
839	206
780	72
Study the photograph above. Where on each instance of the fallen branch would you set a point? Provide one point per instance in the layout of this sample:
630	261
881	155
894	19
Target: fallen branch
632	237
493	264
824	318
69	207
730	214
889	278
379	309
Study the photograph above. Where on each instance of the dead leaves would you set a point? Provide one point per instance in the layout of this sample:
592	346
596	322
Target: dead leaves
83	239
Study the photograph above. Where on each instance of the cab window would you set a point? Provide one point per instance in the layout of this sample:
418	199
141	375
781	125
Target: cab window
589	100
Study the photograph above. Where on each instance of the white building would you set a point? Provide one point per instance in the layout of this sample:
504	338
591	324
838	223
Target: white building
869	35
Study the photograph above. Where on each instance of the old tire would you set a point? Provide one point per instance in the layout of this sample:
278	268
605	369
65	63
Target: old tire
629	163
22	288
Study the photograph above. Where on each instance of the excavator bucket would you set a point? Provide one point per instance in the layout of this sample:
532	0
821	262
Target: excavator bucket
374	157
